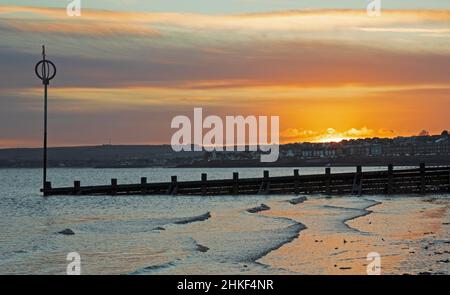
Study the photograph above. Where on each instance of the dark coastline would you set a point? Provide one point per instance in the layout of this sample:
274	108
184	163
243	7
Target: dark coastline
146	156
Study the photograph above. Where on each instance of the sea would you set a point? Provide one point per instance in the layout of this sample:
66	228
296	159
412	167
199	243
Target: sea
151	235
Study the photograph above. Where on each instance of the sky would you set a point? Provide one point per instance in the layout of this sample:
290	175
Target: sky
126	68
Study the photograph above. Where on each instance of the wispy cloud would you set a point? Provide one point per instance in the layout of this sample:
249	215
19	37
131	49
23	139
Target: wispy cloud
326	73
407	30
274	25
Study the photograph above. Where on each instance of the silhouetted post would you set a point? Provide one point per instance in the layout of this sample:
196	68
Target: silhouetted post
204	179
77	186
390	178
296	181
449	181
174	185
422	178
46	71
265	183
113	186
143	183
47	187
359	184
235	183
328	180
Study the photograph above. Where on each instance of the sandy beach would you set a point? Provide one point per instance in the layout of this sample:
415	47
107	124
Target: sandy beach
410	234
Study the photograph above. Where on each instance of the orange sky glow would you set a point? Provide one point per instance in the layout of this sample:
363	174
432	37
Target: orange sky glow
122	76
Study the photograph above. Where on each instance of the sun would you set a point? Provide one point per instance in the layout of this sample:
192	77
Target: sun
332	139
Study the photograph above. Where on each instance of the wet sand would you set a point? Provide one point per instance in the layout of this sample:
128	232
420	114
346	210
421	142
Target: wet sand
411	234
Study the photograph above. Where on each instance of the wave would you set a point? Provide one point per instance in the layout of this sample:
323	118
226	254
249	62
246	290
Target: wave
187	220
157	268
291	232
361	213
365	211
243	252
154	268
298	200
139	225
262	207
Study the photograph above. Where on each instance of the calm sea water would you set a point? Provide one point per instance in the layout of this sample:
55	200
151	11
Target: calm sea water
141	234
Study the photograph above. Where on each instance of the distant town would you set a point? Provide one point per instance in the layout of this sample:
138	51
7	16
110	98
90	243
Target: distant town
430	149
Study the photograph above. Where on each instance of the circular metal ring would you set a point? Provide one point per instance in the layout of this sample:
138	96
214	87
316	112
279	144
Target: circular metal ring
44	73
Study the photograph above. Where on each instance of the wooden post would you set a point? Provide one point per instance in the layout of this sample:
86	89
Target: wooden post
328	180
356	187
204	180
235	183
359	172
265	183
358	169
449	181
390	179
113	186
143	183
173	190
296	182
47	187
422	178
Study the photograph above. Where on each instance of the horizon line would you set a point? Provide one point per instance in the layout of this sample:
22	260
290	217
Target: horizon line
246	145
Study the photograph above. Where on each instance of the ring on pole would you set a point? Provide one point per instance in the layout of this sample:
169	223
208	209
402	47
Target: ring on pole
45	70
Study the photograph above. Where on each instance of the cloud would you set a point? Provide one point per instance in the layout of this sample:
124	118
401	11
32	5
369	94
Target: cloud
315	69
84	28
358	132
108	49
287	25
286	63
332	135
55	21
295	135
406	30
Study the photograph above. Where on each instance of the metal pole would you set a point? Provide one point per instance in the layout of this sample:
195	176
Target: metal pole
45	141
46	71
45	82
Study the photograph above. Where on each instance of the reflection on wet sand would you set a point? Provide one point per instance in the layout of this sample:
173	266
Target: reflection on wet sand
410	234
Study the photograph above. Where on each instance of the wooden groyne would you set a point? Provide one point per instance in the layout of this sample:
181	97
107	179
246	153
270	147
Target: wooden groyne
423	180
